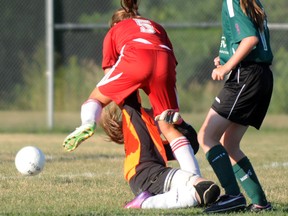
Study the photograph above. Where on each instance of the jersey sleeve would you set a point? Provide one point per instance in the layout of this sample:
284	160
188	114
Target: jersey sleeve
241	25
110	54
171	46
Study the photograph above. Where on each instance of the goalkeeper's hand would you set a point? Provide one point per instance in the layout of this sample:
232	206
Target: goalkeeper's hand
170	116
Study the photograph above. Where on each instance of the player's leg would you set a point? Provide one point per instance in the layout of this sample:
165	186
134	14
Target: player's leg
206	191
243	169
181	190
254	102
163	96
190	133
231	141
181	148
115	85
209	137
90	116
181	197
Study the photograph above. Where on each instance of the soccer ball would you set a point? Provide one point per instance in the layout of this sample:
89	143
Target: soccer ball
30	161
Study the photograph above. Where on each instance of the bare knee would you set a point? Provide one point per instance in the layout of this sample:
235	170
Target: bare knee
207	140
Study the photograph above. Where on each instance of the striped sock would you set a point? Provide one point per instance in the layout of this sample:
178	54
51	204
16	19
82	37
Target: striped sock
184	154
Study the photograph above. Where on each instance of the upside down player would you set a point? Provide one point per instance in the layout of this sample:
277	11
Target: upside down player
154	184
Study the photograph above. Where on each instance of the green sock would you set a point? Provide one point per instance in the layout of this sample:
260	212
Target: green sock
220	162
247	178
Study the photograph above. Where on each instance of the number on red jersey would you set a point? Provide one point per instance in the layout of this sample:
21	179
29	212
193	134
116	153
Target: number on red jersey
145	26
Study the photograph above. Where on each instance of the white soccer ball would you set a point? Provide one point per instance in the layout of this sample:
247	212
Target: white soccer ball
30	161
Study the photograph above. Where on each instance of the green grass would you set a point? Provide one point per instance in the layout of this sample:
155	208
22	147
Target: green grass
89	181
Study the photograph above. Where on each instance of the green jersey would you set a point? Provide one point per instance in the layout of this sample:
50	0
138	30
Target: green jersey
237	26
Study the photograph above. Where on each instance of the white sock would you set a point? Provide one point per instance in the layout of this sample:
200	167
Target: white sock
91	111
184	154
179	197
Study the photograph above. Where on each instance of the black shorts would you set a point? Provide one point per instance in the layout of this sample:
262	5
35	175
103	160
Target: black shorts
152	177
246	94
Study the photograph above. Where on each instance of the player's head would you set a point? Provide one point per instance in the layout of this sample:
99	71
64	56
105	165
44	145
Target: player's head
129	10
111	122
118	16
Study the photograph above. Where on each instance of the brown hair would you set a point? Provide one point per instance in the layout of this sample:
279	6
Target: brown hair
118	16
111	122
130	6
129	10
253	10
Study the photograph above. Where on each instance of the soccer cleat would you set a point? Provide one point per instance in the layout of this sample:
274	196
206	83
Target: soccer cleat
259	208
208	192
227	203
73	140
136	203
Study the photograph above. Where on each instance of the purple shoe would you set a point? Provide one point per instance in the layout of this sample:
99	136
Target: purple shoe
138	200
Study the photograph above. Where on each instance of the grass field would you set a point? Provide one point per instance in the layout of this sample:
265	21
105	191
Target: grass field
90	180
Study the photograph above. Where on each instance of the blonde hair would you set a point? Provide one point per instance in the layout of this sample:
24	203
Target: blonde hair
253	10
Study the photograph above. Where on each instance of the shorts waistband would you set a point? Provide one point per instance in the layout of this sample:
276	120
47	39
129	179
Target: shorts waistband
249	63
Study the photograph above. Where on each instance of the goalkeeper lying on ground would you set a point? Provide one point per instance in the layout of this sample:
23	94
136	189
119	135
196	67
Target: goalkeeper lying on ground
154	184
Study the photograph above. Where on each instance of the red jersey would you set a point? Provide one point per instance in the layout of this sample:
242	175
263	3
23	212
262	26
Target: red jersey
138	32
140	56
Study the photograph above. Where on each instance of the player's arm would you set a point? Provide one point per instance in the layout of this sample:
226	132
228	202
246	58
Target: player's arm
245	47
106	70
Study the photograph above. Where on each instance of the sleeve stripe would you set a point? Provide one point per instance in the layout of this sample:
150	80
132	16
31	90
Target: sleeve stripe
230	8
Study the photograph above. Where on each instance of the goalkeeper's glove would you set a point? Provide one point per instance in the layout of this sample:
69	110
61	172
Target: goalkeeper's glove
170	116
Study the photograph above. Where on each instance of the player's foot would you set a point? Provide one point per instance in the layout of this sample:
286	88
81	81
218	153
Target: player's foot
227	203
73	140
259	208
136	203
208	192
